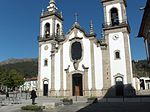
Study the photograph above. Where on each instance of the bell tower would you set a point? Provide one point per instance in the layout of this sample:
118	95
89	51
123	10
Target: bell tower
51	34
114	12
117	30
51	22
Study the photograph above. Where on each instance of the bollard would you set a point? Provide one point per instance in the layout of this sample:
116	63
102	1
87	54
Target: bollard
76	98
26	95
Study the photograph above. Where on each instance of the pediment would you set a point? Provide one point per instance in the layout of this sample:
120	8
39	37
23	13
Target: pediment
75	33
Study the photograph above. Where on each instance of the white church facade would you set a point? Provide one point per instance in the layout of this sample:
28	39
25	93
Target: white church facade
78	64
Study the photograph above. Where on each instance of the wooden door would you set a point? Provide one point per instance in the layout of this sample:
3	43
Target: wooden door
77	91
77	85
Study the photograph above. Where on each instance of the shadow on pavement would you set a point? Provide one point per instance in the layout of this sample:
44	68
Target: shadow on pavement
120	99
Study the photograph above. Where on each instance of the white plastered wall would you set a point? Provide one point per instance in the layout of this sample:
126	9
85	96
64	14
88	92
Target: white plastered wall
130	58
86	60
57	70
98	67
117	66
45	70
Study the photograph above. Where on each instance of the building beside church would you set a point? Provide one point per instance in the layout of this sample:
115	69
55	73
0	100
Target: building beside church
78	64
145	29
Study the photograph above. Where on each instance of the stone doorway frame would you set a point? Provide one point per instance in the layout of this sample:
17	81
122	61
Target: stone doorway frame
121	77
84	82
46	80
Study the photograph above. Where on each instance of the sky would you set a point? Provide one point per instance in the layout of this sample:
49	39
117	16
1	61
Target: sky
20	24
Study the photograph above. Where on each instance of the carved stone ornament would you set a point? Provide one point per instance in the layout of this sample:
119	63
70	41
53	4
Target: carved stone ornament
76	64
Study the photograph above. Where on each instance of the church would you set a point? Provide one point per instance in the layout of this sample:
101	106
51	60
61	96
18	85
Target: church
79	64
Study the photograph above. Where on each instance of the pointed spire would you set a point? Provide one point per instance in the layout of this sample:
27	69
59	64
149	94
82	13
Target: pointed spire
91	27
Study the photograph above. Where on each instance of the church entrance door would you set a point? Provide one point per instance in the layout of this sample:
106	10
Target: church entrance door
119	87
45	88
77	87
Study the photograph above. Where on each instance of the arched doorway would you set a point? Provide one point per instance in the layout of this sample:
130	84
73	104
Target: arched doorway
45	88
119	86
77	84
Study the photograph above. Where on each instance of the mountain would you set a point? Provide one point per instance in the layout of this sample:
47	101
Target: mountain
28	67
15	60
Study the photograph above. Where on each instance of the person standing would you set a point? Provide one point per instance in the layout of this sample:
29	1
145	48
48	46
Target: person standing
7	94
33	96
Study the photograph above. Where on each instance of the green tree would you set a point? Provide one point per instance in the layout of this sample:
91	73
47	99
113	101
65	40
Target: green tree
13	79
2	75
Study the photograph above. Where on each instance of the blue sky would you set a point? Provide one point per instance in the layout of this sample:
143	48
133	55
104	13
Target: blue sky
20	19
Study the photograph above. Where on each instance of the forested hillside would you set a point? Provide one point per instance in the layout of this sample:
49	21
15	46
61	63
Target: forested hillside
29	67
141	68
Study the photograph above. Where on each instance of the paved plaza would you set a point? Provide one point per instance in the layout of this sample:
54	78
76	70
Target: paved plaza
81	105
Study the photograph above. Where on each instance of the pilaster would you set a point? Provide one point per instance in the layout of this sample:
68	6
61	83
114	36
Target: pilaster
105	15
68	82
53	26
127	57
85	82
92	65
106	67
52	70
39	72
61	70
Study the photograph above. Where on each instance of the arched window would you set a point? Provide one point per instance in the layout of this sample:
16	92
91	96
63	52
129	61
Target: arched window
47	30
46	62
58	30
117	54
114	17
76	51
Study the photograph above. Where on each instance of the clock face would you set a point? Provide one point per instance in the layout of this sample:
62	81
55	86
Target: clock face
46	47
115	37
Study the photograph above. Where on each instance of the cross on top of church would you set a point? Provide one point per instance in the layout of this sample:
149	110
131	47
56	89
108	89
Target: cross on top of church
76	17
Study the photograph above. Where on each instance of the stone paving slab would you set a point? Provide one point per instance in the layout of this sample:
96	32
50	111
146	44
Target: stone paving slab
117	107
105	105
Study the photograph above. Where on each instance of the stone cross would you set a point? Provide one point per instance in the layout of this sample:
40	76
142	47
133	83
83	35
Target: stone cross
76	17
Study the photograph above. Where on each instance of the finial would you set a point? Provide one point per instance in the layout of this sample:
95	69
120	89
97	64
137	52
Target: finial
103	35
52	6
42	12
76	17
52	1
91	27
61	14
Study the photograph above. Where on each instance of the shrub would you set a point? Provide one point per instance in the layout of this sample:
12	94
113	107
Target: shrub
32	108
67	101
92	100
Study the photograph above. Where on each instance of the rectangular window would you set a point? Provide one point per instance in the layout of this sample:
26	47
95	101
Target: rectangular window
45	62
